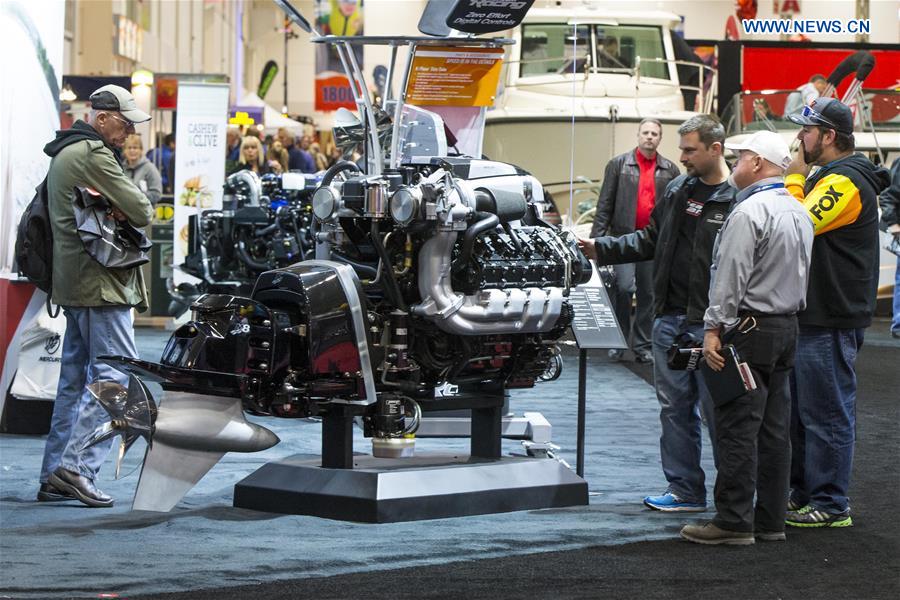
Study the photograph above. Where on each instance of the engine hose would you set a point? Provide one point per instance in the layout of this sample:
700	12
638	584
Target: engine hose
360	268
487	222
341	165
297	235
245	258
265	230
391	288
515	240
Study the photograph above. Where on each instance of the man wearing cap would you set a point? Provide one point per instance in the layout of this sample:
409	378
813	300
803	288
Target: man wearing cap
841	199
96	301
758	283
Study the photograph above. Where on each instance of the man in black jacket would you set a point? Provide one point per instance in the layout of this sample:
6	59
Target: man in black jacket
890	218
841	199
679	238
631	184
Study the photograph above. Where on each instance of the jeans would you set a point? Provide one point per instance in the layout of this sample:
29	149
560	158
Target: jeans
895	322
90	332
634	279
753	432
823	420
682	396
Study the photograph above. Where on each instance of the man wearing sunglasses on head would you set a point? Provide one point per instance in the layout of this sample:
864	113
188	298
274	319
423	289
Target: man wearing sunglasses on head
96	300
841	199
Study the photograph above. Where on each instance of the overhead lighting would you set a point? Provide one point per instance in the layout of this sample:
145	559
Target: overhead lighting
141	77
66	94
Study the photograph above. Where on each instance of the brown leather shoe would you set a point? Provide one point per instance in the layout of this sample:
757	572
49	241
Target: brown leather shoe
770	536
711	534
48	493
80	487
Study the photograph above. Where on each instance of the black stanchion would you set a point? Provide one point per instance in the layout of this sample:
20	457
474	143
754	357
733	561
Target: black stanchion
582	410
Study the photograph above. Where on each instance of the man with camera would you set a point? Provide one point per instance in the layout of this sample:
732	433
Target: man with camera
96	300
758	284
679	238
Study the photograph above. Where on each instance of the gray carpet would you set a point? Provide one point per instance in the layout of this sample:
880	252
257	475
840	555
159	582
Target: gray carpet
611	548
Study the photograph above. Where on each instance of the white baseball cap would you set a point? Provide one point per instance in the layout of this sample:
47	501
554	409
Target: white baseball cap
113	97
767	144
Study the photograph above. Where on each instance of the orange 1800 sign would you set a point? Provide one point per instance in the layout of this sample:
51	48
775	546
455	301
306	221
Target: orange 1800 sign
454	76
333	92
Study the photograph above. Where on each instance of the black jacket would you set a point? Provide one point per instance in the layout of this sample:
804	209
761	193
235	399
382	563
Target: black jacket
890	198
617	202
658	240
843	271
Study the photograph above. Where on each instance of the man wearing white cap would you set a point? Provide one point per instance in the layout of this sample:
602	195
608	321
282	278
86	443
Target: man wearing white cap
759	275
96	300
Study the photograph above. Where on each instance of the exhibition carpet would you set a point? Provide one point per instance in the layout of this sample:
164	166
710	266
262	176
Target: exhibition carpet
612	548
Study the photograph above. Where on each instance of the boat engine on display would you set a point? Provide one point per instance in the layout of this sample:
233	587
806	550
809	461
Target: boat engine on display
265	223
430	274
403	268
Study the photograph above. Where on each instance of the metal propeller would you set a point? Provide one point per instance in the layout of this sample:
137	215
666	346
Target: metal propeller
133	414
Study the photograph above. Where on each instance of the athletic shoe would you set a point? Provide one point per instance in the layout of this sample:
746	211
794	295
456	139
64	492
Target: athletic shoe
669	502
713	535
810	516
794	505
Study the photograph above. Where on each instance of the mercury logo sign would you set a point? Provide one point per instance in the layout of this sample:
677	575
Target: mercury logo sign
510	4
51	344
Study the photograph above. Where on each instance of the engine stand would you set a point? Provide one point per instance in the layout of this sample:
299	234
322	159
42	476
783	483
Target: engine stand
429	486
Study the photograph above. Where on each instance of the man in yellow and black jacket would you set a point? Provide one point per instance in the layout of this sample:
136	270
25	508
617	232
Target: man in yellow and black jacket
841	199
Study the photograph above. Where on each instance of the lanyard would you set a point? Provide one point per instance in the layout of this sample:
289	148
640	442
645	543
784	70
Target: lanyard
768	186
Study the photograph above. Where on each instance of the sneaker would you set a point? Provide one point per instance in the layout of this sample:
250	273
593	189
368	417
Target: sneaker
644	357
770	536
669	502
709	533
794	505
810	516
615	355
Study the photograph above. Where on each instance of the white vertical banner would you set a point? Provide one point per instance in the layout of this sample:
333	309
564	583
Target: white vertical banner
199	159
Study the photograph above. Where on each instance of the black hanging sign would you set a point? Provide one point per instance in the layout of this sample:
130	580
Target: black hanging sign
487	16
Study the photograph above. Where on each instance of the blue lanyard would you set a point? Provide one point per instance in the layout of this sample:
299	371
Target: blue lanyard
768	186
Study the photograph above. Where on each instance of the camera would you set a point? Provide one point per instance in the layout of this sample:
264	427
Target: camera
684	354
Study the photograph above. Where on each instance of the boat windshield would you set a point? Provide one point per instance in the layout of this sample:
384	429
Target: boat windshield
554	48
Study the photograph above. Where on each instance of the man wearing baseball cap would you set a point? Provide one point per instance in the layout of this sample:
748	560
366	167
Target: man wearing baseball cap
758	284
841	199
96	300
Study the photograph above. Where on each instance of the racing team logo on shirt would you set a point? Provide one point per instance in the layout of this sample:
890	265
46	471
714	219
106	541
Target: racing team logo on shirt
693	208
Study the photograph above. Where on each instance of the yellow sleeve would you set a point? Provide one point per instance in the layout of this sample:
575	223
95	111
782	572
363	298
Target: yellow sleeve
832	204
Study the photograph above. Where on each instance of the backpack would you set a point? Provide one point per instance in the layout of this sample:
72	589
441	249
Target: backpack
34	243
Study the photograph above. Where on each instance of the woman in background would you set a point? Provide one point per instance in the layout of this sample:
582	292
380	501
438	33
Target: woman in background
142	172
277	157
251	158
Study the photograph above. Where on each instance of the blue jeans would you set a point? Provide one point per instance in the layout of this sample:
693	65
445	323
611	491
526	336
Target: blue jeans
90	332
895	322
823	417
682	395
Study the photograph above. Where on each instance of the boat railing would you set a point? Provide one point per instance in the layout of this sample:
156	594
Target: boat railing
750	110
583	69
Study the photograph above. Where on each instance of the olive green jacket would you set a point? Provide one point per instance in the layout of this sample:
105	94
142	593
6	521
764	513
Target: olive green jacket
79	280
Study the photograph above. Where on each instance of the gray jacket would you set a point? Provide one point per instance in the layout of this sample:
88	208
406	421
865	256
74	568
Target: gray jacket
146	177
617	203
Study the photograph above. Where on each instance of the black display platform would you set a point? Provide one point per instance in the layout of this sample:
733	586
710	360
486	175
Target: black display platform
379	490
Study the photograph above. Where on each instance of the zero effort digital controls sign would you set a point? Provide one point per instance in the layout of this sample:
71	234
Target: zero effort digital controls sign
487	16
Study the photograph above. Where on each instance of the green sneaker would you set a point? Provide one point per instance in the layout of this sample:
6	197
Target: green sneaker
810	516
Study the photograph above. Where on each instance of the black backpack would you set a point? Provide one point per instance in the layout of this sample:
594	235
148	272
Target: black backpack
34	243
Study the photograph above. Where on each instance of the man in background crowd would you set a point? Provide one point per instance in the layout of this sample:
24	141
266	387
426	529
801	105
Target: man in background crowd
679	238
841	198
161	157
890	218
631	184
805	94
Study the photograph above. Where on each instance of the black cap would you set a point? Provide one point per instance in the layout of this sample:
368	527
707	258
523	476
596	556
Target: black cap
826	112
